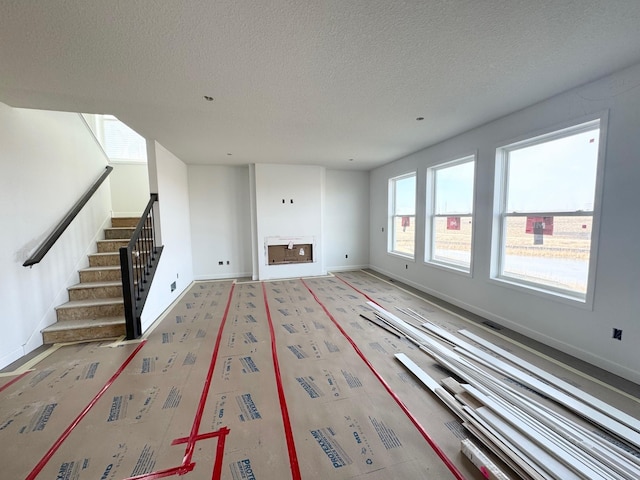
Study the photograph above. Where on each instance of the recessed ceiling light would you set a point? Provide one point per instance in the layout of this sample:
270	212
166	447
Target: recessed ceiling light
420	118
208	98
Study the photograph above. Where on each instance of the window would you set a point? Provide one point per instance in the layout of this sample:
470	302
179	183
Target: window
450	214
402	214
119	142
547	198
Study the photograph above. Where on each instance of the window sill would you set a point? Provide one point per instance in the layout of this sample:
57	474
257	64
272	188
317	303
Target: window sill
403	256
449	267
585	303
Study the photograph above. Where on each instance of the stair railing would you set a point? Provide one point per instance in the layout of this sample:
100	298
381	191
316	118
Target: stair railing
57	232
138	263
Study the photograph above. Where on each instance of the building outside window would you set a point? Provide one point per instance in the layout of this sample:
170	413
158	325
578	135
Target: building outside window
449	225
402	215
547	200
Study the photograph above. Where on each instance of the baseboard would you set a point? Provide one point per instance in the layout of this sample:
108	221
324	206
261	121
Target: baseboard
148	324
346	268
221	276
9	358
569	349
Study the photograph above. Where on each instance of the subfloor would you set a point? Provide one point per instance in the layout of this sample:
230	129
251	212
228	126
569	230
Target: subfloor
251	380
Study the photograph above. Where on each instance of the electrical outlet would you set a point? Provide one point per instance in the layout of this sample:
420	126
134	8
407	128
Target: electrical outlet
220	262
173	286
346	256
617	334
406	266
227	262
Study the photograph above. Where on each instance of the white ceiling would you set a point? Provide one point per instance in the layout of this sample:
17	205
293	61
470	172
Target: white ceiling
313	82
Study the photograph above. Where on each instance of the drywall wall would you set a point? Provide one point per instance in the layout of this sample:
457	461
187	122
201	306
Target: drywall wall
346	220
129	189
583	331
220	206
48	160
289	204
168	177
220	221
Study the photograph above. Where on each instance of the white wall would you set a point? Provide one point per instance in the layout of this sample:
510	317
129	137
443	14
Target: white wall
583	332
129	189
220	221
302	218
168	177
346	220
48	160
220	205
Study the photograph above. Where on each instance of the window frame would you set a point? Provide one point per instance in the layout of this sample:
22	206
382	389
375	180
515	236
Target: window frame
584	124
392	215
100	126
431	216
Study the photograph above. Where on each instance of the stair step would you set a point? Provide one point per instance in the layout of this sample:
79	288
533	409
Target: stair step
85	330
108	259
90	309
100	274
125	221
111	245
95	310
116	233
86	291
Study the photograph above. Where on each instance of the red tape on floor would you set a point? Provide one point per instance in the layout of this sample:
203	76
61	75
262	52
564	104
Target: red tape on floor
207	384
291	446
194	436
359	291
11	382
185	468
38	468
452	468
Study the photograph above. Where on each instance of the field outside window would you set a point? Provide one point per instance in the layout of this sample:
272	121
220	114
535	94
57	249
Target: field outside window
450	211
402	214
546	222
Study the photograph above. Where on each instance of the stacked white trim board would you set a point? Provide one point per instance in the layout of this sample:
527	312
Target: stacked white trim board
537	439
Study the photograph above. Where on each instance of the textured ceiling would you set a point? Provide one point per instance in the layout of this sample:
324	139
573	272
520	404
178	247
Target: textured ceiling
314	82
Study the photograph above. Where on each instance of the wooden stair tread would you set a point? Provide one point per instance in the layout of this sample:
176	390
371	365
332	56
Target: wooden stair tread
91	303
80	286
84	323
95	269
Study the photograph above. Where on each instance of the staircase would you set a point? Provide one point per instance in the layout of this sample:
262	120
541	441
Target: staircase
95	310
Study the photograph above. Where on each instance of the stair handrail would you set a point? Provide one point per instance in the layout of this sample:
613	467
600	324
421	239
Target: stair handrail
138	263
57	232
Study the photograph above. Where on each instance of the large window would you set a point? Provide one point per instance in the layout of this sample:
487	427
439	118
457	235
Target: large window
402	214
547	198
449	223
